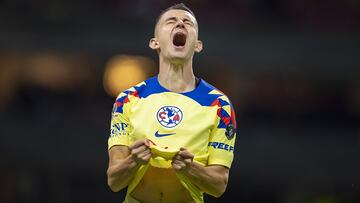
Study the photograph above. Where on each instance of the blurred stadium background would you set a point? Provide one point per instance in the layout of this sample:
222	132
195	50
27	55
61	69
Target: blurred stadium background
291	68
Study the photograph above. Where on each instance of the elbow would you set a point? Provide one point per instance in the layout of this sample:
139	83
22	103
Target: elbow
112	186
219	192
112	183
220	189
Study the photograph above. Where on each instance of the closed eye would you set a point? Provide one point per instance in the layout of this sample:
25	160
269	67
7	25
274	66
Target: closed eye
170	20
188	22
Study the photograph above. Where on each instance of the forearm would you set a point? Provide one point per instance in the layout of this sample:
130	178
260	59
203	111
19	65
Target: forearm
121	172
208	178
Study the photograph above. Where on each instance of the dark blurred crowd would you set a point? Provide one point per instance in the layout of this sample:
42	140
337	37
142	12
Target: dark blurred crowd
291	69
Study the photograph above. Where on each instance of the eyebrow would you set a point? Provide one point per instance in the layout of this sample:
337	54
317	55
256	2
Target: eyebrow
188	19
184	19
170	18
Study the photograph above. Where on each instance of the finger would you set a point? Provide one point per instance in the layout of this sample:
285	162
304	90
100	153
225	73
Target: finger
177	162
138	150
177	157
145	157
187	161
142	158
186	154
179	165
144	153
176	165
138	143
147	142
182	165
183	151
141	161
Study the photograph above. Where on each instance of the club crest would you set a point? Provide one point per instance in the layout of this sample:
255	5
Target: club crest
169	116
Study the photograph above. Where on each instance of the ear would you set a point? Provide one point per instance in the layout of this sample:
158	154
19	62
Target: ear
198	46
154	44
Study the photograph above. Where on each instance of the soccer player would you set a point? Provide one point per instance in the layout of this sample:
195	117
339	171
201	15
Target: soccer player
172	136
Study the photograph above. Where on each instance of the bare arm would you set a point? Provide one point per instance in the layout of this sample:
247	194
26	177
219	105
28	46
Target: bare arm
124	162
210	179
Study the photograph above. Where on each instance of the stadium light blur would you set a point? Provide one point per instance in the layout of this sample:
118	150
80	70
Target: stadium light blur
124	71
57	71
8	78
50	70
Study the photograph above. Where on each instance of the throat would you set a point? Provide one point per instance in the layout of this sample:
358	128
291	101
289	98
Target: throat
179	86
177	79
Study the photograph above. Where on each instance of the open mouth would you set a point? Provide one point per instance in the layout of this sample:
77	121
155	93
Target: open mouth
179	39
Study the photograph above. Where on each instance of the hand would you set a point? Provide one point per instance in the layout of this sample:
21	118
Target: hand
183	160
140	152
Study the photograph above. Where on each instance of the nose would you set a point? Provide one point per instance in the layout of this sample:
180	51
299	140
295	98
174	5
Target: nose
180	24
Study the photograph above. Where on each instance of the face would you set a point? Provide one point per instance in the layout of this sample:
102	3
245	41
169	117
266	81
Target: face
176	36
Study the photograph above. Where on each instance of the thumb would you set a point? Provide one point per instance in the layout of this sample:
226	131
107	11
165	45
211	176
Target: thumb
147	142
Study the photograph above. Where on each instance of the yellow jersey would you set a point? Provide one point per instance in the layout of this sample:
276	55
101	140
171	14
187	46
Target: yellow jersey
202	121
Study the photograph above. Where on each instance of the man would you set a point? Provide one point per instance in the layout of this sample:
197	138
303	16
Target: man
172	136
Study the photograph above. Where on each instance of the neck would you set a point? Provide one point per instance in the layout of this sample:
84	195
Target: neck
176	77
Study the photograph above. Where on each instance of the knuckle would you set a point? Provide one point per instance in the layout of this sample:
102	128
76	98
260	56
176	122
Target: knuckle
133	153
141	148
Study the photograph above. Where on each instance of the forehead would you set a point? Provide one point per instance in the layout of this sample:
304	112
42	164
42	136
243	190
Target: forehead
177	13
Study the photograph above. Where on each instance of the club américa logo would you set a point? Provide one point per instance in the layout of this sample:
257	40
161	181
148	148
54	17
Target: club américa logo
169	116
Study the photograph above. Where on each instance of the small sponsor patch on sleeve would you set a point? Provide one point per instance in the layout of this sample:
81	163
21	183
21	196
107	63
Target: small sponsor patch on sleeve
118	129
222	146
230	131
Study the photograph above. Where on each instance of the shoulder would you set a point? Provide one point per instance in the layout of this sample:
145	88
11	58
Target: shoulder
208	95
215	91
136	92
144	89
225	110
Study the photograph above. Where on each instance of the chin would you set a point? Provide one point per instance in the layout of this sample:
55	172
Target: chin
181	54
177	60
177	56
